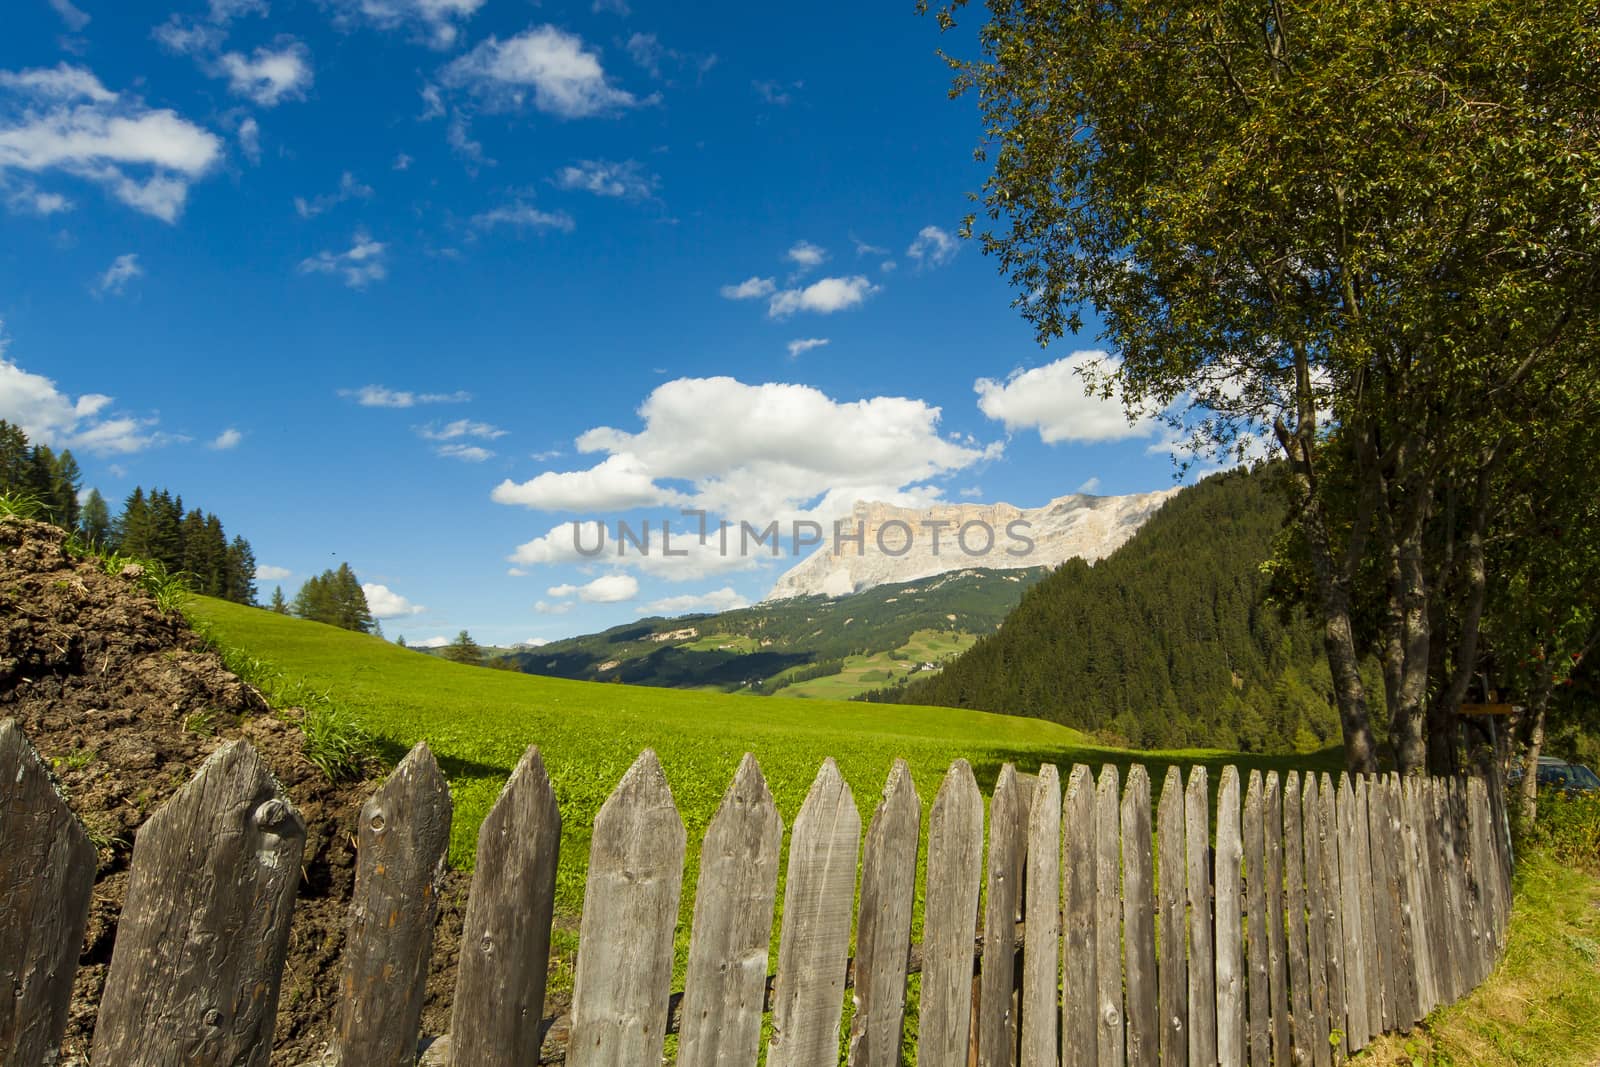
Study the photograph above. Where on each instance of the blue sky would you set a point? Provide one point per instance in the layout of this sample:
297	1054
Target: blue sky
414	283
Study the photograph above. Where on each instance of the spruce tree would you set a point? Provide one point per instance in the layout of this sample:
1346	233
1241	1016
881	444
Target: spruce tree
131	534
13	458
94	521
463	650
278	604
238	571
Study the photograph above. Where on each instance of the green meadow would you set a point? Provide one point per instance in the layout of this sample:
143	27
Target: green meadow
478	722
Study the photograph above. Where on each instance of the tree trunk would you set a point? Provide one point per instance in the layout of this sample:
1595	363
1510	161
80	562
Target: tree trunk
1530	761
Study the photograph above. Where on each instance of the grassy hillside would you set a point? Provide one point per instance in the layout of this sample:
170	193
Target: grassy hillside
762	648
479	721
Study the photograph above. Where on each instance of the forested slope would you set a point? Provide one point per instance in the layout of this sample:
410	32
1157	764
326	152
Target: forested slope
1167	642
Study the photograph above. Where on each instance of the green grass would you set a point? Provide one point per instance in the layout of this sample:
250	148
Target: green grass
478	722
863	673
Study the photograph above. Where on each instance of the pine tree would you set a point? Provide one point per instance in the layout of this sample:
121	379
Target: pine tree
238	570
62	498
131	533
278	604
463	650
94	521
13	458
334	597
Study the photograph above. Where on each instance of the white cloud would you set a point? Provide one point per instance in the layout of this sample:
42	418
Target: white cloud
724	599
250	139
805	344
645	50
776	92
460	428
51	417
124	269
266	572
269	76
616	7
28	199
437	22
605	178
379	396
465	453
524	217
532	642
933	247
551	70
224	11
189	37
227	439
806	254
609	589
562	591
779	451
560	546
385	603
429	642
401	162
1089	486
823	297
68	122
1052	400
364	262
349	189
863	248
74	18
752	288
432	103
546	608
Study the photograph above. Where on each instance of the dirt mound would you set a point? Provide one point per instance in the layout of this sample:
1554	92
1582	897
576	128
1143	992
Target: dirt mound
126	703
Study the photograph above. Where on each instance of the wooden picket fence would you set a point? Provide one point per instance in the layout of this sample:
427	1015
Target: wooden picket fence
1317	915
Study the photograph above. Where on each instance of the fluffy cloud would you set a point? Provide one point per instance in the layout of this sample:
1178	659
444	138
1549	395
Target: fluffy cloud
532	642
378	396
605	178
560	546
551	70
27	199
74	18
437	22
544	607
363	264
779	451
65	121
269	76
49	416
524	217
609	589
227	439
751	288
933	247
349	189
806	254
265	572
429	642
124	269
805	344
1052	399
823	297
724	599
385	603
250	139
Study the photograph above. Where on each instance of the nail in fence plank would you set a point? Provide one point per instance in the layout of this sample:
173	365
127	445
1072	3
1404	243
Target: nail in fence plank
996	1023
630	912
47	867
1258	1035
1172	994
1319	847
1368	911
1041	954
1108	919
1353	901
883	932
1333	917
1230	965
1370	800
814	945
505	940
205	922
1202	973
1139	922
955	858
1277	966
1080	993
1294	869
725	984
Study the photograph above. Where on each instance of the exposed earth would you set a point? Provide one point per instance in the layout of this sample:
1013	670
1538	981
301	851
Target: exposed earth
125	703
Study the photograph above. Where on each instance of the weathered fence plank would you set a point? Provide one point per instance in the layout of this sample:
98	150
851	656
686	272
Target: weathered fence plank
1008	842
1368	911
47	867
630	912
1333	916
505	939
1402	870
1352	903
1080	992
1202	973
1419	887
955	858
883	931
1041	954
1452	943
1258	1035
1108	918
205	922
1172	969
1139	922
1277	968
1295	877
1319	903
1229	903
1380	905
725	983
814	944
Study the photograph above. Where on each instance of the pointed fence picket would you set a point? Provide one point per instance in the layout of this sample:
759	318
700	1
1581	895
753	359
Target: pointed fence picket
1323	915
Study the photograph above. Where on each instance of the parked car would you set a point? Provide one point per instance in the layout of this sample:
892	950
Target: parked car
1559	774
